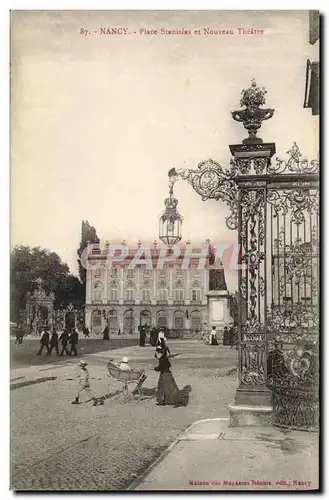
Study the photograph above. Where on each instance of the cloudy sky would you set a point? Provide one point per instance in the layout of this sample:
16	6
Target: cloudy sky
98	120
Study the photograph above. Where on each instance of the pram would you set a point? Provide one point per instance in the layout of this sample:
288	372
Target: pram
127	377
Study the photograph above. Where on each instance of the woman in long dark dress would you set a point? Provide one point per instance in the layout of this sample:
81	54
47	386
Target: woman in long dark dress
167	390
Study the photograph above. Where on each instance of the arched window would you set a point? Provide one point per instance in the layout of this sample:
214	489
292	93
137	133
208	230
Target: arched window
128	322
196	321
179	320
96	322
161	319
145	318
113	321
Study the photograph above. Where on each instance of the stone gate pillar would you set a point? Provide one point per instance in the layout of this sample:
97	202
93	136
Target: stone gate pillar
253	399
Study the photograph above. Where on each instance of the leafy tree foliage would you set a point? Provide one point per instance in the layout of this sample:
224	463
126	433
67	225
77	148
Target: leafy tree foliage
29	264
88	235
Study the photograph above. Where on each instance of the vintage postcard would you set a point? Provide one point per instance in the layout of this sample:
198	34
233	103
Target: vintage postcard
164	321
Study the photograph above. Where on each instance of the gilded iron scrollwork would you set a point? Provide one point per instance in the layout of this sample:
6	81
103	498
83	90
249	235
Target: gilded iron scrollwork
293	378
295	202
296	163
253	372
253	234
211	181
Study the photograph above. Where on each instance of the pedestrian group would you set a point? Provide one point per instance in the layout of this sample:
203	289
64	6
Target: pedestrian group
68	337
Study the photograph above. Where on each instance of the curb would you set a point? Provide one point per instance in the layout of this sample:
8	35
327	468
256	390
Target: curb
136	482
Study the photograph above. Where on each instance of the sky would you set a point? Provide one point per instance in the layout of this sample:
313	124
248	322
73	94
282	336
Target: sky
97	121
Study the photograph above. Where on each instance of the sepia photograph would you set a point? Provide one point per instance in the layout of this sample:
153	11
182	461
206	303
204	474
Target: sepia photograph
164	250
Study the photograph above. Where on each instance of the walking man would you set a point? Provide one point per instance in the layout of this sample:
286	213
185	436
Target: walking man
74	338
44	341
54	342
64	338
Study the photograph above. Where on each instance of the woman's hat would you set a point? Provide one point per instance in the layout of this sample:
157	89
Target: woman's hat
82	363
124	360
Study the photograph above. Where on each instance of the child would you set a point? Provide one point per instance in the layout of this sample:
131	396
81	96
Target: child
84	385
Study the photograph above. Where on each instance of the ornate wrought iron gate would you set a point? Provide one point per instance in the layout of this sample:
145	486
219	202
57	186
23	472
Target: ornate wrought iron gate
292	315
275	208
278	222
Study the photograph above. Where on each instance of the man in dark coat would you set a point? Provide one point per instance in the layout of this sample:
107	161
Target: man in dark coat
106	333
44	341
142	335
64	338
74	338
153	337
54	342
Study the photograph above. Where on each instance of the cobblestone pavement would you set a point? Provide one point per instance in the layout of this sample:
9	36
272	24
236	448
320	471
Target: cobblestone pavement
59	446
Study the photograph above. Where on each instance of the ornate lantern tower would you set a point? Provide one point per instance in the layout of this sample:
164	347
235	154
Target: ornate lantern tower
170	222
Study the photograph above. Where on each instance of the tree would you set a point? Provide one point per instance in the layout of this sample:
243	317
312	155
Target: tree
88	235
29	264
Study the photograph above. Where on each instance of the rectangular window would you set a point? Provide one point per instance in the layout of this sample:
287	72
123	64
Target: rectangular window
114	273
162	294
130	273
146	295
179	294
196	294
146	273
114	294
130	294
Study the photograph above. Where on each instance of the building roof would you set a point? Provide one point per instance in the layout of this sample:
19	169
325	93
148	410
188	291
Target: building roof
98	254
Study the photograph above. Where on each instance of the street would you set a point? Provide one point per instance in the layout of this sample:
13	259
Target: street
59	446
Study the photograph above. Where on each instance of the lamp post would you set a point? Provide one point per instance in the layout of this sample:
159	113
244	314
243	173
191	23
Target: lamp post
170	222
274	207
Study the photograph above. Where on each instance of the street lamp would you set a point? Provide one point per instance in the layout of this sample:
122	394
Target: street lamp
170	222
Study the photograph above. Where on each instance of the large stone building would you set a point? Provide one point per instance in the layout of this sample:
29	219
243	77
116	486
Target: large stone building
124	298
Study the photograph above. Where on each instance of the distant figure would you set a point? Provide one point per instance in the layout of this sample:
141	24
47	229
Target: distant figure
106	333
54	342
225	336
44	341
21	334
124	365
153	337
142	336
64	338
119	332
18	335
86	332
73	340
235	339
84	385
213	339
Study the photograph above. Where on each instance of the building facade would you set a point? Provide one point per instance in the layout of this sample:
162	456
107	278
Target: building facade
123	297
